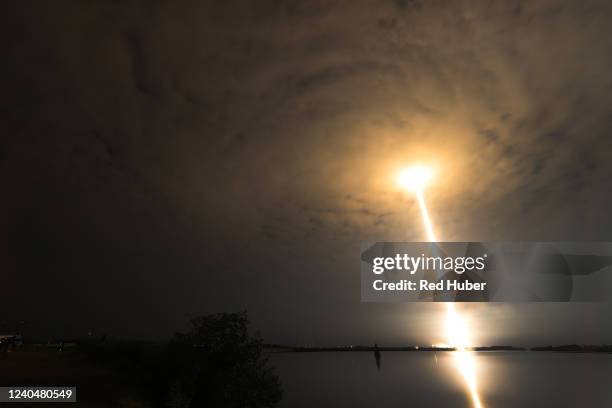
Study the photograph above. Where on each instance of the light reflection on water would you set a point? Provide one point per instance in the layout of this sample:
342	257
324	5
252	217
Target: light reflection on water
465	360
506	379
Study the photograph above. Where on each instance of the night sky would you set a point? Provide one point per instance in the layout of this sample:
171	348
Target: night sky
165	159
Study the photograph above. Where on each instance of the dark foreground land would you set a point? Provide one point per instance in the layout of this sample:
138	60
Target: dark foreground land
98	384
216	363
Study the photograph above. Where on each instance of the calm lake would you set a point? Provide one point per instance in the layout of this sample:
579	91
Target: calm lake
427	379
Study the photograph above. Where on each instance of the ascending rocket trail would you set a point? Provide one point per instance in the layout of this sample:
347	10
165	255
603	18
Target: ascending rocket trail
457	332
426	220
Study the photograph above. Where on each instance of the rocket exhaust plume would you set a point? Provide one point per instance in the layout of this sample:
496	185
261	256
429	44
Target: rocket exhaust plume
426	220
416	179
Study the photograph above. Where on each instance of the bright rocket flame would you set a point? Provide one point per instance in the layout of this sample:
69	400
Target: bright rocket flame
415	178
457	333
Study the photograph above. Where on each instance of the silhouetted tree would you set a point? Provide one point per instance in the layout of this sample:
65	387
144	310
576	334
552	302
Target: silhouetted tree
219	364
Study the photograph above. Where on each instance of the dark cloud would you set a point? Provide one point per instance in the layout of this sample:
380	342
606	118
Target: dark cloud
177	157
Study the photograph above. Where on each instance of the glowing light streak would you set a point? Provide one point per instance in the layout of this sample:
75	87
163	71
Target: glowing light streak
415	179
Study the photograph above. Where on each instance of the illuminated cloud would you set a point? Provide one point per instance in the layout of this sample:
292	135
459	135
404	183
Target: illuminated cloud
277	128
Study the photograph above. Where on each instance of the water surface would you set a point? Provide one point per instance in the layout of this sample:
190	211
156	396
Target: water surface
414	379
